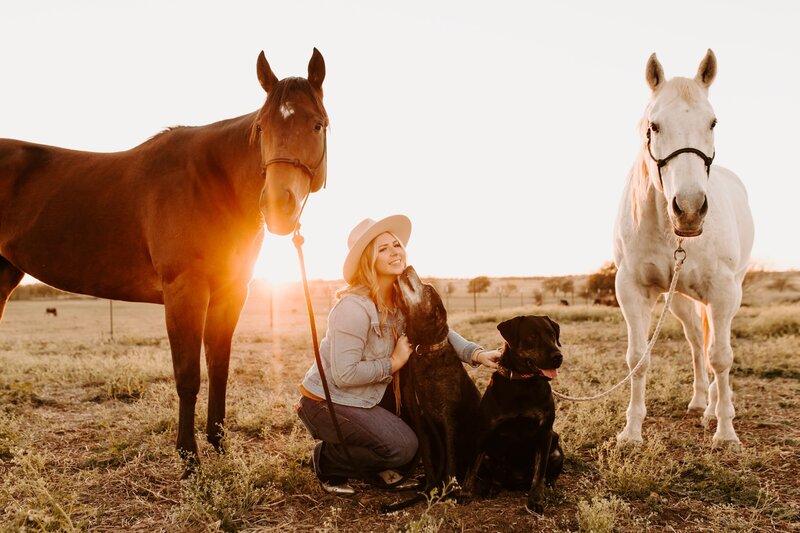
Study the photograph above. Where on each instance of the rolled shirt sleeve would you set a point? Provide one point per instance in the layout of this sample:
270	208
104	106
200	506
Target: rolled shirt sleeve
462	346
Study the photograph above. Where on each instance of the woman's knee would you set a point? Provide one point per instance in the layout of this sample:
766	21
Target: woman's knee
402	449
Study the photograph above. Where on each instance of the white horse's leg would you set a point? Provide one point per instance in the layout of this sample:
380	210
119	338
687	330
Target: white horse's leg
721	312
636	306
710	413
685	310
711	409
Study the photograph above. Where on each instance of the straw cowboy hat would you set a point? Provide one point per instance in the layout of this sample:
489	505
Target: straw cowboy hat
368	229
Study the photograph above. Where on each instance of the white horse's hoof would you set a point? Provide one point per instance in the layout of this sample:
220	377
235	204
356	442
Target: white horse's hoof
629	438
695	411
733	445
706	421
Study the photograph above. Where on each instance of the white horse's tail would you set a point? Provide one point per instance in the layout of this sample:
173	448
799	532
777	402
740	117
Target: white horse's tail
706	334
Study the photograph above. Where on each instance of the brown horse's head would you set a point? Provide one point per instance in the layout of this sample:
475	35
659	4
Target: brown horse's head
291	128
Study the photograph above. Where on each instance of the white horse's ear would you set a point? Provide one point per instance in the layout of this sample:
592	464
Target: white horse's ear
654	73
707	70
265	76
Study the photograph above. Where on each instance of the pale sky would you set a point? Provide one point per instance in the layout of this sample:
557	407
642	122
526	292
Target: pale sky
504	130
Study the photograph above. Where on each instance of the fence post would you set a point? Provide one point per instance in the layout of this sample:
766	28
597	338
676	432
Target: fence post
271	328
111	317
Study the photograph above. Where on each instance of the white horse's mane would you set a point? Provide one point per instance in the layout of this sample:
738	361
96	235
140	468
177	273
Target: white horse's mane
639	175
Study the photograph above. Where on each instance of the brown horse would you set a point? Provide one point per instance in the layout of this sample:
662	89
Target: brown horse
178	220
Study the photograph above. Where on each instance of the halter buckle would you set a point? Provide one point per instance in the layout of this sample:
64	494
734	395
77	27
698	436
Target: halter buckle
680	254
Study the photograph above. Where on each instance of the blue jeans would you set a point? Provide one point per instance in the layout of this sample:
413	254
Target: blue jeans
376	439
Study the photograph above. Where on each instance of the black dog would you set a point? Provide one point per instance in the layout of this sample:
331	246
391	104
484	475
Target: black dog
518	449
442	398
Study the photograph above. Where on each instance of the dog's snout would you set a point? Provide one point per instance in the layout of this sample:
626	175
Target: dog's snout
558	359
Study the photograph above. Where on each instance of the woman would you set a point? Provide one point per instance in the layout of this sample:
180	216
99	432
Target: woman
363	349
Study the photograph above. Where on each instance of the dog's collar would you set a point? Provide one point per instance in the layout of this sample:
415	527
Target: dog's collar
510	374
424	349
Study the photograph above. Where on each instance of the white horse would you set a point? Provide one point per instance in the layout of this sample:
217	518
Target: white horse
674	191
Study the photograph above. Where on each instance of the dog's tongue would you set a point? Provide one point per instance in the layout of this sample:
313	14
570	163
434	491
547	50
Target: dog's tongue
551	373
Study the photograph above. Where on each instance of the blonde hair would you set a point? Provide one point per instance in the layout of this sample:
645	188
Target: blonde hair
365	280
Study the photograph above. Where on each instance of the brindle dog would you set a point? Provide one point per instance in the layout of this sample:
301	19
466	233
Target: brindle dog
437	387
518	449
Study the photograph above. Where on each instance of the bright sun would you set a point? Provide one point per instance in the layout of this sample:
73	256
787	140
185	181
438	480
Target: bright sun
277	262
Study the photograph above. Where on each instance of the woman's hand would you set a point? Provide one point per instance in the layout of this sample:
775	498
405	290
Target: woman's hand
487	358
402	351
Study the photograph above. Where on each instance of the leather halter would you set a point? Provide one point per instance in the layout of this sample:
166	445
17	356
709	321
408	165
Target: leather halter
310	171
663	162
426	349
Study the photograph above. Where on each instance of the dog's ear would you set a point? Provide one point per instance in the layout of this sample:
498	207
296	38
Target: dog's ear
556	328
510	329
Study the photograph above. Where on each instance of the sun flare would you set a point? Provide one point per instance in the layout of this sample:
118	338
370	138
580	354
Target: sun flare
277	262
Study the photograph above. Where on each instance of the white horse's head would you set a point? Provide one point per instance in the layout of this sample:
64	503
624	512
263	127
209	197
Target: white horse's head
678	128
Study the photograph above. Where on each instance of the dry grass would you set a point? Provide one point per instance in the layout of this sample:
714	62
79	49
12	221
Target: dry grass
87	429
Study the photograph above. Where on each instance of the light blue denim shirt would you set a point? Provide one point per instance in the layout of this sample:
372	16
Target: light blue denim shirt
356	349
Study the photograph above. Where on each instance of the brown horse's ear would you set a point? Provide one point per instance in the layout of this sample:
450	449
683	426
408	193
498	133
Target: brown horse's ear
654	73
510	330
265	76
707	70
556	328
316	71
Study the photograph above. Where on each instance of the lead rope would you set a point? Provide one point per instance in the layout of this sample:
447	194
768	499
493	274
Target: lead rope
680	257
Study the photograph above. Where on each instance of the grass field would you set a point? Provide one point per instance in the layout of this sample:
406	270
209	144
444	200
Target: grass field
88	424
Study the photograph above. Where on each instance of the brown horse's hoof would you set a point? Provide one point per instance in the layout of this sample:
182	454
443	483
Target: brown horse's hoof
534	507
189	471
217	443
191	463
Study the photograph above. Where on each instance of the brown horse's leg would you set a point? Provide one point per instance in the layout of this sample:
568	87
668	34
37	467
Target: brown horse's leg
185	304
223	314
10	276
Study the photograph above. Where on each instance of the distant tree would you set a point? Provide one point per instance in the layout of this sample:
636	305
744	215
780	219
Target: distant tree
476	285
602	281
567	285
552	285
40	291
504	290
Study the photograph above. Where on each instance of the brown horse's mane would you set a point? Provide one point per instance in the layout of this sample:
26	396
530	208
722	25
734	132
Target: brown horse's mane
165	130
280	94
